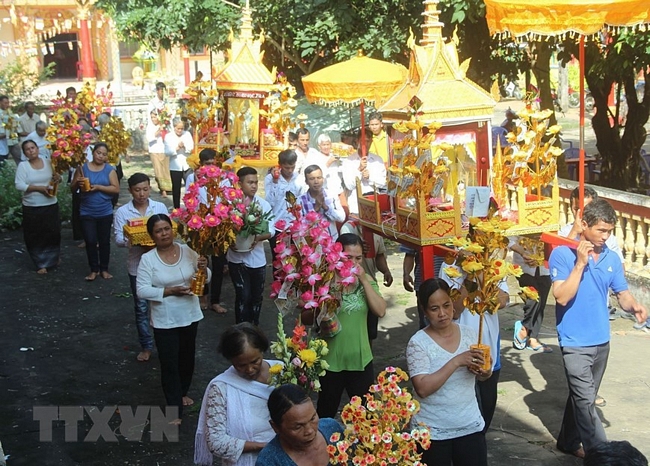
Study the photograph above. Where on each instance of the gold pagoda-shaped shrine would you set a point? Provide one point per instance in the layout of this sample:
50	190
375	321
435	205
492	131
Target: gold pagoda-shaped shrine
244	83
463	108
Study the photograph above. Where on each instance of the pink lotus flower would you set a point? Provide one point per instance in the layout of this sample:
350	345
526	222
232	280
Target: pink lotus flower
312	216
221	210
280	225
313	278
191	203
195	222
212	220
230	194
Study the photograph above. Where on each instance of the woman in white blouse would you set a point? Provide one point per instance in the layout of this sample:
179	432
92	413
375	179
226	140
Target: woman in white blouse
234	420
178	146
41	222
444	370
164	276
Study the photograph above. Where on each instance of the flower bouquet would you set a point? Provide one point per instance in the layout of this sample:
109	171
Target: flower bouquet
377	430
303	358
64	135
253	221
209	219
311	268
280	105
530	159
9	123
481	266
118	139
90	104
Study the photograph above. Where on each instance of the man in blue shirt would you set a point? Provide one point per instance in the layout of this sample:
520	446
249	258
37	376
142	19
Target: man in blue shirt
581	281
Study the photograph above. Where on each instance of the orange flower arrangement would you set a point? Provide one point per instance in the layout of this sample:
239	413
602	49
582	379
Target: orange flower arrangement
377	431
64	135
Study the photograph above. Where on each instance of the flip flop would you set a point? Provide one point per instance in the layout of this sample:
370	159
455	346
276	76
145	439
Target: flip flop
540	349
517	343
600	402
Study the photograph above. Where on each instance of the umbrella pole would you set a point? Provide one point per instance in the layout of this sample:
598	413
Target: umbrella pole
363	130
581	163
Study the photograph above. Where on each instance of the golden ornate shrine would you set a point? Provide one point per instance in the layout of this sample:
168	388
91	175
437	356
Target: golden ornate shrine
244	83
437	81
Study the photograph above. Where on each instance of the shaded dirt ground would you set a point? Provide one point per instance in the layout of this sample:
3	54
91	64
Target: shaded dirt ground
84	346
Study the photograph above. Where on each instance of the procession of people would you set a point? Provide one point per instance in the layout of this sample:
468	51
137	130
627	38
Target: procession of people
260	425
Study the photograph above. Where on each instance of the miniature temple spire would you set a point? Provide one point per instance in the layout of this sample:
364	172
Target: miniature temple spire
432	27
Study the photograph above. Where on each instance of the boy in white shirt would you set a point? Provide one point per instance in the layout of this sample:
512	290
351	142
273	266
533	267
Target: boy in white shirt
139	206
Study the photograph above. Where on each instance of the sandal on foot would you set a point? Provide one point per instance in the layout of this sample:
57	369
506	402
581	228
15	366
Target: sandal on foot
600	402
542	348
518	343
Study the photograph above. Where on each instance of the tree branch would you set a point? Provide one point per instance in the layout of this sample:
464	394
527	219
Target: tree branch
291	56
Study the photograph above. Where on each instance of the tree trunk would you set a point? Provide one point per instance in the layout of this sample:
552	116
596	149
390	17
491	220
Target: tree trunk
619	153
541	68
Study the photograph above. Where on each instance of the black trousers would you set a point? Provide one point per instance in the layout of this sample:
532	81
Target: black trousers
486	394
355	383
177	181
469	450
97	235
176	348
218	263
534	310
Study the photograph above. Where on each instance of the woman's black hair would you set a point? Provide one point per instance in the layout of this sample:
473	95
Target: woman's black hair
100	144
22	145
234	340
283	398
350	239
428	287
155	219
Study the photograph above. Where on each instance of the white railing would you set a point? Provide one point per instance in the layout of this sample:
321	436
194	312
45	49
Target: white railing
633	212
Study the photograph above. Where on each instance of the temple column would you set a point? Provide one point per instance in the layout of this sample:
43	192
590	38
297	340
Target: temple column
87	62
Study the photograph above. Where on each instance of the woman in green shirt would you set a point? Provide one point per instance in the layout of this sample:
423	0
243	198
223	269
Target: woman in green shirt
350	355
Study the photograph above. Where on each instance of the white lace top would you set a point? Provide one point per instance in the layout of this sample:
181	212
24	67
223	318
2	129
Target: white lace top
452	411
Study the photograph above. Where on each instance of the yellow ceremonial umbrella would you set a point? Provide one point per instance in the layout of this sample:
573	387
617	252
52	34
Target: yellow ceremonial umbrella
543	18
358	81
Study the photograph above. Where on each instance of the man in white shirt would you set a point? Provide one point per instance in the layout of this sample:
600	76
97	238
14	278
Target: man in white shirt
370	169
303	151
327	163
140	206
27	121
248	268
158	102
38	136
317	199
276	186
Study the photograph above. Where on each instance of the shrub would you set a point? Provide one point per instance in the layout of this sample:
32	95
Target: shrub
11	210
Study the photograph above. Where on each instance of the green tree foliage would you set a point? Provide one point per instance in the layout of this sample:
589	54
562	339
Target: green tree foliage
620	134
301	36
168	23
18	82
492	58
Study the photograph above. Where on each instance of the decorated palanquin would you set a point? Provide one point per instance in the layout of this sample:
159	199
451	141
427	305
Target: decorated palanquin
524	175
245	83
441	144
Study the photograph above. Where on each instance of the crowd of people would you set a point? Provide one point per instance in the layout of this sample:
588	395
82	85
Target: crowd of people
243	420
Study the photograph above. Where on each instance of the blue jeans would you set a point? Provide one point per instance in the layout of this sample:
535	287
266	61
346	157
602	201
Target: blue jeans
249	290
141	317
97	235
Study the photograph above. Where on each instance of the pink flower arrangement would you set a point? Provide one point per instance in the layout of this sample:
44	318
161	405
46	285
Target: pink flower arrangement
64	135
310	267
209	219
